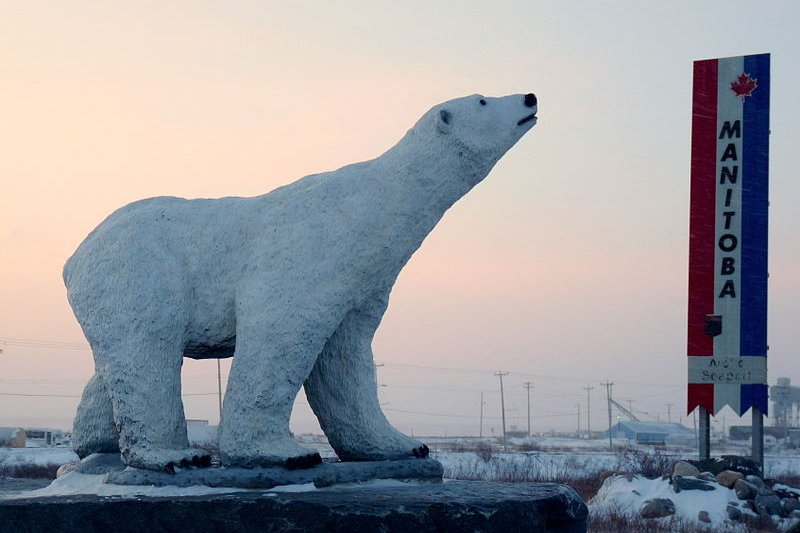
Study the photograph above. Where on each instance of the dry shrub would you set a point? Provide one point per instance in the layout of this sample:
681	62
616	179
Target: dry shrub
618	522
484	451
529	446
760	524
531	468
650	464
29	470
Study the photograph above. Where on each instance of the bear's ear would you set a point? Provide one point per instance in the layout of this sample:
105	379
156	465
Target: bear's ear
443	120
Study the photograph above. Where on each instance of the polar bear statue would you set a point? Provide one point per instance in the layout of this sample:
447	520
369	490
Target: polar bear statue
292	284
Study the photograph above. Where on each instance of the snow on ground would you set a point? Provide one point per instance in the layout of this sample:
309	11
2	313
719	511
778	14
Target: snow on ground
625	495
37	456
544	466
776	466
74	484
564	459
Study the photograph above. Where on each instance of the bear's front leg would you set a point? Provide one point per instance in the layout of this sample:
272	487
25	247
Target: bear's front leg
341	390
275	351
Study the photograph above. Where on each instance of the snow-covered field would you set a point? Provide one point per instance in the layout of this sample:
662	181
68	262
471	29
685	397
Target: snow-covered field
589	456
36	456
618	494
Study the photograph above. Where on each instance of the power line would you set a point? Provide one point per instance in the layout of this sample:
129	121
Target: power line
441	389
35	343
425	413
26	395
447	415
65	345
39	395
524	374
472	417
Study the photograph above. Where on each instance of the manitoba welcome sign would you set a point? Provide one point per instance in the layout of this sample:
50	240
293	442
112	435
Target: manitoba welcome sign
727	333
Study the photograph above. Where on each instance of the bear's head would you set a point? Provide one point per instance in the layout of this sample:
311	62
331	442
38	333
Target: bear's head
484	125
473	132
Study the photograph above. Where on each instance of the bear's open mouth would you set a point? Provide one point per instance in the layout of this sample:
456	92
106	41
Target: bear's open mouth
530	117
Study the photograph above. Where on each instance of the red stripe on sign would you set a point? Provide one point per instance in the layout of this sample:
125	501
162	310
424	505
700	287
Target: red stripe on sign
702	207
700	394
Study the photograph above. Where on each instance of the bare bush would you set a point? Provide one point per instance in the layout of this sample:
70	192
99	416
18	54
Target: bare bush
619	522
760	524
529	446
484	451
29	470
531	468
650	464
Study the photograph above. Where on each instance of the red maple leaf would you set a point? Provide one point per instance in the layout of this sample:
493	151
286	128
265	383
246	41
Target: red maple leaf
744	85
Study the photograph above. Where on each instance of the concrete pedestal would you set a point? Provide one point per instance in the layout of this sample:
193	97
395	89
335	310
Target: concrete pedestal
454	506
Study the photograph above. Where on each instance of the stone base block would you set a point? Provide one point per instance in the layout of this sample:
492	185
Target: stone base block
452	506
323	475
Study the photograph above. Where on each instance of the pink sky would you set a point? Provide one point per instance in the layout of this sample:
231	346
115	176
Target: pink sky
567	266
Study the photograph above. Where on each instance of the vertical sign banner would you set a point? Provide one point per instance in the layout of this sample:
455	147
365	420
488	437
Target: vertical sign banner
727	329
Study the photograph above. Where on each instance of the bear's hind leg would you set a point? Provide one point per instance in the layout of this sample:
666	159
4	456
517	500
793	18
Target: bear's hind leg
341	390
94	430
131	302
145	390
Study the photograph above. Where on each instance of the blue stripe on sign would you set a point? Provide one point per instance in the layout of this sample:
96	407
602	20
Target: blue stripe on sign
753	395
755	203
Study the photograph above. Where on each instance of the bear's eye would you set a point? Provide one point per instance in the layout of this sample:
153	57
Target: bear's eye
482	101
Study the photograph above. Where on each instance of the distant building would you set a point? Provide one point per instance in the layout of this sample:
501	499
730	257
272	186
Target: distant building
515	433
200	433
12	437
745	432
43	437
658	433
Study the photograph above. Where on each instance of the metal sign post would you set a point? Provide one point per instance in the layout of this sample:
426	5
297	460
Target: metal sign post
758	438
704	437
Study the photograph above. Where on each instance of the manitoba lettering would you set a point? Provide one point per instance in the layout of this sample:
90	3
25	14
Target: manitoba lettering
728	181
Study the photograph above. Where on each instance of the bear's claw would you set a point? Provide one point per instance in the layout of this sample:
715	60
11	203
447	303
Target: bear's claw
197	461
421	452
303	461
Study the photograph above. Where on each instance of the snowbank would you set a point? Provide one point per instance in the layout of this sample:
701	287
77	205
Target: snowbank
627	495
37	456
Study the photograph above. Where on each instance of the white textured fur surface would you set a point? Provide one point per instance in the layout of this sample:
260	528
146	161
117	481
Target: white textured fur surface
297	280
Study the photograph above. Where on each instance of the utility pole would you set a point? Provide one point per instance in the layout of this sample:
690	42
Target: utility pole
500	374
578	405
480	431
588	413
529	385
669	412
219	390
608	385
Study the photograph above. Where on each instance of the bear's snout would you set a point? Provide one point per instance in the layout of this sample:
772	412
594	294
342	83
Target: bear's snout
530	100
